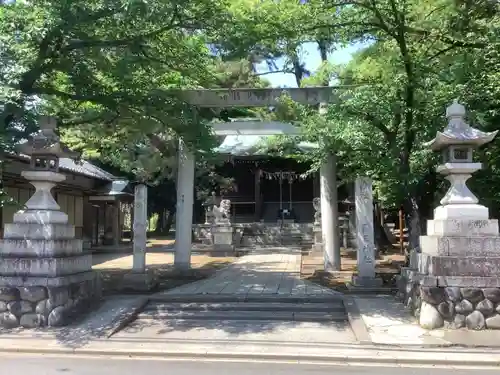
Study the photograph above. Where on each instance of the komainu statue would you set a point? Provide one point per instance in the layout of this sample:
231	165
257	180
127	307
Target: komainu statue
222	213
317	210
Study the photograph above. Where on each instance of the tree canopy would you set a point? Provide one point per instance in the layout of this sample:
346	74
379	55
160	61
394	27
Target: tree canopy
103	68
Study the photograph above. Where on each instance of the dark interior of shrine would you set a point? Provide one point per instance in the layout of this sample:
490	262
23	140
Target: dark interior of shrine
265	188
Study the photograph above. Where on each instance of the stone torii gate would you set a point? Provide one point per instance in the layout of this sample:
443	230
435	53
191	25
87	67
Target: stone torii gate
224	98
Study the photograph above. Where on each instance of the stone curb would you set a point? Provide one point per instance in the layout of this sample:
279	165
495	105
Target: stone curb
378	356
125	319
356	322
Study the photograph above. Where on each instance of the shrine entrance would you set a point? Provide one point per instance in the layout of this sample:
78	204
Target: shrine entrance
224	98
256	98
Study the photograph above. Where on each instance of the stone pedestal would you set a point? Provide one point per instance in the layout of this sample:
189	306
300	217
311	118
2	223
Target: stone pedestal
365	236
318	238
456	279
45	277
222	235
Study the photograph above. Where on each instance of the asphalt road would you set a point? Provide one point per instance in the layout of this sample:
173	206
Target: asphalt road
74	365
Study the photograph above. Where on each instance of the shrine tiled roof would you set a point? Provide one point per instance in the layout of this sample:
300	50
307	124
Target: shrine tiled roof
254	145
82	167
86	168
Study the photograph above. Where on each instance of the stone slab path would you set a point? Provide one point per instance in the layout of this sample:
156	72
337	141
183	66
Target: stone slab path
256	275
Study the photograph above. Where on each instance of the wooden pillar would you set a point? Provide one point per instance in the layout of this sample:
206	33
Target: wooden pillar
316	185
117	233
258	203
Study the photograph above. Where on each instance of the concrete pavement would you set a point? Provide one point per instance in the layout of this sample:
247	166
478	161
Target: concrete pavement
188	324
251	276
75	365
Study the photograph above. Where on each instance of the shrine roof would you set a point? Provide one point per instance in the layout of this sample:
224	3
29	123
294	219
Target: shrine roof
254	145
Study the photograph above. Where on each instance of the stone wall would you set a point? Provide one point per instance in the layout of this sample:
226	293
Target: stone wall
451	307
53	306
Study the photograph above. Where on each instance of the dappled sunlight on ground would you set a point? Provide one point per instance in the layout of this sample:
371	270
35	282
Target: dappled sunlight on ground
312	268
125	261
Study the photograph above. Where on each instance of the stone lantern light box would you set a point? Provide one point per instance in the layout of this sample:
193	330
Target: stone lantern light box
456	144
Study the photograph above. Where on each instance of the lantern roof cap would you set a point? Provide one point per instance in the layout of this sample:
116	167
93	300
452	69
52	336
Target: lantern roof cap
46	142
458	131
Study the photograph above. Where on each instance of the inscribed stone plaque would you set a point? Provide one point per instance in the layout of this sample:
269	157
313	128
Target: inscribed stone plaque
364	228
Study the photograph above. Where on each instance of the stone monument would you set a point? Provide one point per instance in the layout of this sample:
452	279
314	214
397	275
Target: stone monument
317	231
365	236
455	280
222	228
46	278
140	278
344	231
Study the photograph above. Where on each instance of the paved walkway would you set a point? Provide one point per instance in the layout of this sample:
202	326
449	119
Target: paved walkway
257	275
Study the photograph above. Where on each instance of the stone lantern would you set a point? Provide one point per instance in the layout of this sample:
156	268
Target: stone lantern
45	276
454	281
44	149
456	143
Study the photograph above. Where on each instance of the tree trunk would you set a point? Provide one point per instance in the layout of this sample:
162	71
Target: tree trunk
381	239
169	222
160	224
414	229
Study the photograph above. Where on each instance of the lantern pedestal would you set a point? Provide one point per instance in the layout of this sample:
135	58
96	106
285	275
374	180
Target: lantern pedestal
42	208
459	202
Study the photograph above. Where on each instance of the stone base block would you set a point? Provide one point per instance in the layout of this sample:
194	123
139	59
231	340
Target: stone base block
222	249
460	281
366	282
203	233
485	245
40	305
38	231
452	307
50	267
40	217
46	281
461	211
458	266
462	227
40	248
223	238
317	248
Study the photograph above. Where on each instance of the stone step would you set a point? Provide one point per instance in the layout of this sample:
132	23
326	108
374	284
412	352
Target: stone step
245	315
262	298
329	307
